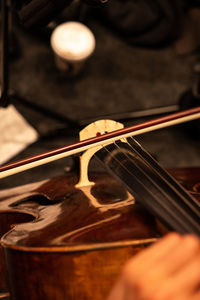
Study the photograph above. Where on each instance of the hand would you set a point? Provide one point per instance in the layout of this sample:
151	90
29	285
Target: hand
168	270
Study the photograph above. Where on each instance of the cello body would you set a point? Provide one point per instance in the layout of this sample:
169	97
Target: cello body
60	242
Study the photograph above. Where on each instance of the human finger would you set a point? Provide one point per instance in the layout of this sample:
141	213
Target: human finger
118	291
151	281
149	257
196	295
186	281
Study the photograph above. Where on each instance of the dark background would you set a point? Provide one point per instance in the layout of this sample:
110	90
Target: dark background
119	77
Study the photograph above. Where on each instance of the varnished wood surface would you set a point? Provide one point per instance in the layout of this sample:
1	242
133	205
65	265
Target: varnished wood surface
65	215
189	178
58	219
40	261
65	276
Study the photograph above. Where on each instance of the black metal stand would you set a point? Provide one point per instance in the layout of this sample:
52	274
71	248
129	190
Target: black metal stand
6	96
4	54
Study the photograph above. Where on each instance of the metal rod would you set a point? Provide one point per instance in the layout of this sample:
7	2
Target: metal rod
134	115
4	55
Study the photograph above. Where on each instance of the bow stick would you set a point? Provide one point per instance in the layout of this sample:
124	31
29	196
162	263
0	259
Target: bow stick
50	156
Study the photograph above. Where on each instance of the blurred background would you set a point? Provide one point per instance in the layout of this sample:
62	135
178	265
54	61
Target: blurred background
147	55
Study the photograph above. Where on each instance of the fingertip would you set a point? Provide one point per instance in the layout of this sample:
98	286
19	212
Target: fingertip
191	241
173	235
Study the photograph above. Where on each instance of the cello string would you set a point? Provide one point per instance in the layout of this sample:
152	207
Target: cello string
119	163
159	206
194	205
166	208
175	187
184	201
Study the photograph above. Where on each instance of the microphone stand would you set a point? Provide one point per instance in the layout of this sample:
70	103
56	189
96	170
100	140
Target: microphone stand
4	100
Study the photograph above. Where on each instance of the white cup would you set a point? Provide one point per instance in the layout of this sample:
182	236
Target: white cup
72	43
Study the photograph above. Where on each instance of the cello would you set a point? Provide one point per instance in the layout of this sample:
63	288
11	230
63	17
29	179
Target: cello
75	236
